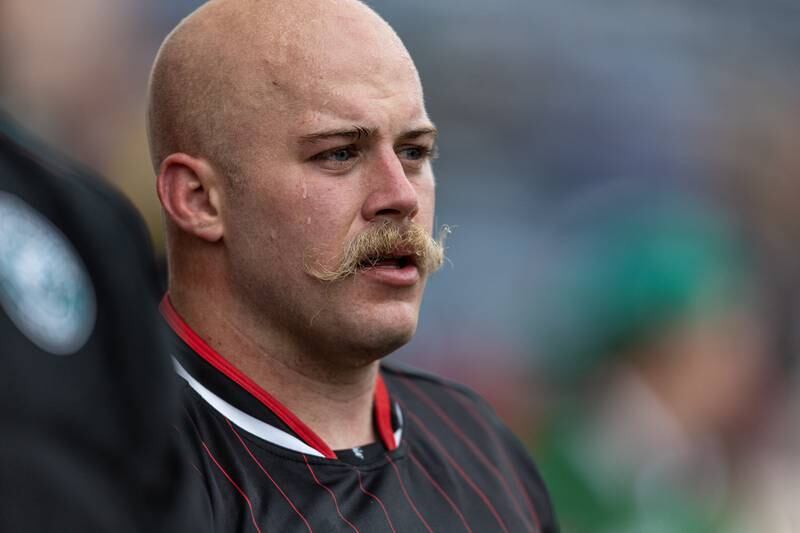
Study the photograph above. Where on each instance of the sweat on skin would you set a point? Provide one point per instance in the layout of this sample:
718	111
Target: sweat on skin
281	130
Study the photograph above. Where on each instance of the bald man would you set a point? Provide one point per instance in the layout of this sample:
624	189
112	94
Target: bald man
293	154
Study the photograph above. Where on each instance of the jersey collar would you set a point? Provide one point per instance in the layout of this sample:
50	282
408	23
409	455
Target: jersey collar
304	440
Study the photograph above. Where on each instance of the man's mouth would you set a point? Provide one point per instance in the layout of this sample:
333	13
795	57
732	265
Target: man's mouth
399	269
394	261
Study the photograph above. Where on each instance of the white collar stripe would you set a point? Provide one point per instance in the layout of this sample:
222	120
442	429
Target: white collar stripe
398	434
244	421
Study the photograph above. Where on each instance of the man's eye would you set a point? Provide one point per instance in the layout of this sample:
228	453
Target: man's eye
338	158
412	153
416	153
340	155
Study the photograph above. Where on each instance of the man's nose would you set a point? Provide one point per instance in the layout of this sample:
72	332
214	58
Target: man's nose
391	194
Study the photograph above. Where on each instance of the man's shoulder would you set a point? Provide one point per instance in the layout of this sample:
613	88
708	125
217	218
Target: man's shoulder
452	420
425	392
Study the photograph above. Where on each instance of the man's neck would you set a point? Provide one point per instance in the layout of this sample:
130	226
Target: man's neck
335	402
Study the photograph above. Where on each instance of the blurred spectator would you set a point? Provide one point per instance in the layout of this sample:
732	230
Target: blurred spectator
74	74
757	173
654	328
66	71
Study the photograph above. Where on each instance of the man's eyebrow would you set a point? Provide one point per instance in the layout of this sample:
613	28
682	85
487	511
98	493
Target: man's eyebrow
355	133
419	132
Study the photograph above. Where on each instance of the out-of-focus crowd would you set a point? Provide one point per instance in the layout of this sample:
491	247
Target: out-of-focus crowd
623	181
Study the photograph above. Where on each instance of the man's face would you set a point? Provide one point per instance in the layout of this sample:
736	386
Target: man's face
344	146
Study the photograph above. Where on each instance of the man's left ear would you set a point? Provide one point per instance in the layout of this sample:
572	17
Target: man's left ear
190	192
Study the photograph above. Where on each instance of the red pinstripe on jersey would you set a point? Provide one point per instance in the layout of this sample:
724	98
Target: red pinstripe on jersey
419	393
232	482
458	468
333	496
496	440
375	498
405	493
285	497
441	491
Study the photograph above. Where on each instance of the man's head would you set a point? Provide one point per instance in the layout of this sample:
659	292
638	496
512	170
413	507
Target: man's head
293	149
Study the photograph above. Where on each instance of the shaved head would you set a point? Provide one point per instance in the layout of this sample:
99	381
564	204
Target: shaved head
282	132
233	68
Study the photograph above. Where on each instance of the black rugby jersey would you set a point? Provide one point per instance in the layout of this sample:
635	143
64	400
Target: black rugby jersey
444	462
87	394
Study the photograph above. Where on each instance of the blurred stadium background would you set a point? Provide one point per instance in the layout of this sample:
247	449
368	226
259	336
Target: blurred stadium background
623	180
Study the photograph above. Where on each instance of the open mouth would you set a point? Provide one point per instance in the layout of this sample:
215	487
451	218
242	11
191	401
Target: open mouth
395	269
392	262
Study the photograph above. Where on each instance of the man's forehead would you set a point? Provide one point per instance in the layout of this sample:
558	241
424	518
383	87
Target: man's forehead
339	75
318	68
272	66
394	116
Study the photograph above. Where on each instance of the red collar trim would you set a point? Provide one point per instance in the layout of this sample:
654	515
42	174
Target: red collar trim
382	404
383	414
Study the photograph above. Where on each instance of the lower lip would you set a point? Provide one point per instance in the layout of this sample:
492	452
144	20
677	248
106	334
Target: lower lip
397	277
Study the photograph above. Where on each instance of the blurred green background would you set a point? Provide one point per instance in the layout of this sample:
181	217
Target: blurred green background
623	181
